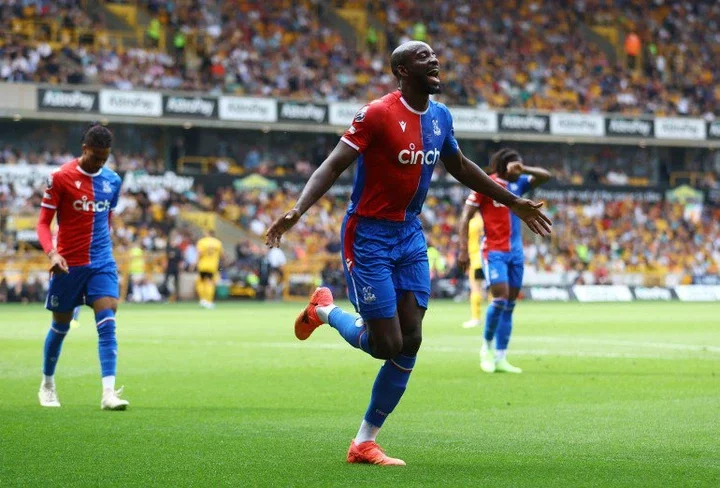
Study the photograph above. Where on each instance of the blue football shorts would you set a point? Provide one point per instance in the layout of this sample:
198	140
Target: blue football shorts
382	260
81	285
504	267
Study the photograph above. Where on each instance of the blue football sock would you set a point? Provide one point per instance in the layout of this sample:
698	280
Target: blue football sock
107	343
502	336
389	387
53	345
492	318
351	328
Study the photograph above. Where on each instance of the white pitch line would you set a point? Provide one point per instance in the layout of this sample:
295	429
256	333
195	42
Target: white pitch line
615	342
429	348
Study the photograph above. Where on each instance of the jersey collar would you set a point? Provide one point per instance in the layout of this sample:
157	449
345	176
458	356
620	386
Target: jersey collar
407	106
97	173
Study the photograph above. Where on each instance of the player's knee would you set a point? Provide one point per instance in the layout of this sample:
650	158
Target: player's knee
500	292
387	347
105	303
411	344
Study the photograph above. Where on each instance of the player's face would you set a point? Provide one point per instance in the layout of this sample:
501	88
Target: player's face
424	69
94	158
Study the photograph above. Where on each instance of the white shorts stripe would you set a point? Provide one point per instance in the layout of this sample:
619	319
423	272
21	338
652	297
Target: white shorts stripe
357	300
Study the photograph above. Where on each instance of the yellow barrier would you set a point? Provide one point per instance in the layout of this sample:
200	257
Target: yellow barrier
128	13
300	278
357	18
204	220
58	37
207	163
691	177
35	263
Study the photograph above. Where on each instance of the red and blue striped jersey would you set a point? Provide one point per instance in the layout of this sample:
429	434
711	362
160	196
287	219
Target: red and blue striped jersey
83	202
503	229
399	148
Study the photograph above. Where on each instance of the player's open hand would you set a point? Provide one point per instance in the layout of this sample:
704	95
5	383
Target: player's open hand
280	226
531	214
58	265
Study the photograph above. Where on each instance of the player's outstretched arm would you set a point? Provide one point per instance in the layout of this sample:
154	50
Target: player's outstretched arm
319	183
470	175
463	226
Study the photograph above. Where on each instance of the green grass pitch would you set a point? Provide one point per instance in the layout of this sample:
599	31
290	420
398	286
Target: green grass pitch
612	395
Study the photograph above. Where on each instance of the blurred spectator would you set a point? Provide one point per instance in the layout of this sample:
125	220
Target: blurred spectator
632	49
174	258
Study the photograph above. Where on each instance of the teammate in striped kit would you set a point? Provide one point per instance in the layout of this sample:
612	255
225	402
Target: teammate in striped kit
502	252
83	193
397	141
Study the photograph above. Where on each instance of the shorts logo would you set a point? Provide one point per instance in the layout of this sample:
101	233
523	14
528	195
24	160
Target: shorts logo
54	301
436	128
494	274
106	187
368	294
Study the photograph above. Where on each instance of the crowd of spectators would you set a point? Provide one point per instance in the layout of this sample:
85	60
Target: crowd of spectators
597	237
118	160
515	54
630	237
493	54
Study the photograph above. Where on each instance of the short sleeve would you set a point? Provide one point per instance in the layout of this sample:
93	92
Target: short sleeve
115	197
365	124
52	193
474	199
450	144
524	184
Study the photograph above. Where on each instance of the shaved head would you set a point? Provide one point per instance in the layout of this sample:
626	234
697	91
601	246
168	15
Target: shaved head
401	55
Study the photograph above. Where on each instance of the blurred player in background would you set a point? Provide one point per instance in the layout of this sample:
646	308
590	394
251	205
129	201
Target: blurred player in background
75	322
83	193
210	250
398	139
502	251
471	231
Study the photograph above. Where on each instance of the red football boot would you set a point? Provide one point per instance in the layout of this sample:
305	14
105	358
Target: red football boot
308	320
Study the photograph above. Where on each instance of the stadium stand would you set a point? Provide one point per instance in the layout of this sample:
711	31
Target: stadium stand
659	58
284	49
